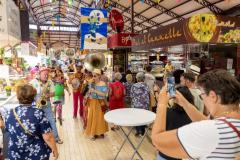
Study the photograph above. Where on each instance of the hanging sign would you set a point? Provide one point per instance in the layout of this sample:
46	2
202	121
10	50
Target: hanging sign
94	24
116	20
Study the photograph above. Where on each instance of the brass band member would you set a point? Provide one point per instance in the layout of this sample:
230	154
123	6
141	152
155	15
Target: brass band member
45	90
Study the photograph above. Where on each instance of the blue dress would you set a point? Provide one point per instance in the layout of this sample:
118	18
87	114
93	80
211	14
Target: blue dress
22	146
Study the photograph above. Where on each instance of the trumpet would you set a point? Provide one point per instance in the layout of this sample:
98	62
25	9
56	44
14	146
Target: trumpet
43	99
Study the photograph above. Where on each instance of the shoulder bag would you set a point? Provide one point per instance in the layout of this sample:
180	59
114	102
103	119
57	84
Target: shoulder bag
19	121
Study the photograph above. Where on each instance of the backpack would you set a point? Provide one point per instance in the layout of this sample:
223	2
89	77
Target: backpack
117	92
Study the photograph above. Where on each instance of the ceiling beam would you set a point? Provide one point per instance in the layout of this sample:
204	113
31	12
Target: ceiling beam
27	5
162	9
143	18
219	1
166	11
210	6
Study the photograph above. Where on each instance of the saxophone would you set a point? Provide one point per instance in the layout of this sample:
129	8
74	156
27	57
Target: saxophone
43	99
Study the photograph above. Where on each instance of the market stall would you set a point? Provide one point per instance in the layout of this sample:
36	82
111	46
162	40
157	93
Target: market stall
197	39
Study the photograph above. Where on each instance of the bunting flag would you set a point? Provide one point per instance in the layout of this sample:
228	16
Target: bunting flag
94	24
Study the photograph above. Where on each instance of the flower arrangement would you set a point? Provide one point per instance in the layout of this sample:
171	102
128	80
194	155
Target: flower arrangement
8	90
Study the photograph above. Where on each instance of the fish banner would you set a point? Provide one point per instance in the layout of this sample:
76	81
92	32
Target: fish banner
94	24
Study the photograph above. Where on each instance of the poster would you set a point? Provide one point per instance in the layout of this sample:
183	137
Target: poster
94	24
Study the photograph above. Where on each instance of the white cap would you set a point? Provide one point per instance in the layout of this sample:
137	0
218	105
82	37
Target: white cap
195	69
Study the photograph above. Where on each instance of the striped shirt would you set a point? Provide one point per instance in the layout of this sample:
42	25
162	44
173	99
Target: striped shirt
210	139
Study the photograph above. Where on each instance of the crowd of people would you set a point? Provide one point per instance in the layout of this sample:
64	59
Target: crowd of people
205	108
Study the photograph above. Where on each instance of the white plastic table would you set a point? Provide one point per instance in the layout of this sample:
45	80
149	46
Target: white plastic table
130	117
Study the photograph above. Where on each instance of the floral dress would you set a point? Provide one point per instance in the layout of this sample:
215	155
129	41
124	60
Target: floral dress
140	95
22	146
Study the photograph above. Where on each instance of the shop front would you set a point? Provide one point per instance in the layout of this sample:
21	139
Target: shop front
206	40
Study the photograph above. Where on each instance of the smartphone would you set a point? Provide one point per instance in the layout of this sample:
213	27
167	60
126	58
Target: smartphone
171	86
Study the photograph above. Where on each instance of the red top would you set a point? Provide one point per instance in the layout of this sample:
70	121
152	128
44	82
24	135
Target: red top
113	103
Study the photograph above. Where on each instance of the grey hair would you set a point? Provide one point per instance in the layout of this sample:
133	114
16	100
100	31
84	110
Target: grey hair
118	76
140	76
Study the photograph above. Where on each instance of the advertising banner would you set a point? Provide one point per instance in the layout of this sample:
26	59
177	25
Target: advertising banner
94	24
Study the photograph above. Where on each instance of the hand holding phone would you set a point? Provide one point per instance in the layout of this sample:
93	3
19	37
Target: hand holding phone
171	86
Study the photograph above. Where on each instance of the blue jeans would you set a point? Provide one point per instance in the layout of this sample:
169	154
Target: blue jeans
160	158
50	117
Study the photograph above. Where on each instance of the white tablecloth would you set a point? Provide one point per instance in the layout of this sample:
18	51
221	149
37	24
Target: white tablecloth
129	117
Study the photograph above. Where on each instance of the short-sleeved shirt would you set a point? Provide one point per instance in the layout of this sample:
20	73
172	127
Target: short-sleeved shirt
128	87
210	139
113	102
22	145
101	89
197	100
150	80
140	95
39	87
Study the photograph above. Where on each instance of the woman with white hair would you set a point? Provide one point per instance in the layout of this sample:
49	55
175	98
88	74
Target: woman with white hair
140	98
116	94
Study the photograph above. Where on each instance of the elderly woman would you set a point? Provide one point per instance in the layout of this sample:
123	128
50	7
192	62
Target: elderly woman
218	138
30	133
96	125
140	98
116	94
128	86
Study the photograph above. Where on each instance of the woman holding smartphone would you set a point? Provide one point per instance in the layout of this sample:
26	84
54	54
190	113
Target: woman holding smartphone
218	138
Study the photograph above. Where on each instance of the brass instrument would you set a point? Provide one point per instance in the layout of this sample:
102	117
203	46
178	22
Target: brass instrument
94	61
43	99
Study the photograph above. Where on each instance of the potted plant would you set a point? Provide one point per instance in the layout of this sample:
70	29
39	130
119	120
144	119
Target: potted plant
8	90
1	55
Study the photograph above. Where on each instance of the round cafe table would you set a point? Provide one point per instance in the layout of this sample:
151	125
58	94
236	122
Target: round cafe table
130	117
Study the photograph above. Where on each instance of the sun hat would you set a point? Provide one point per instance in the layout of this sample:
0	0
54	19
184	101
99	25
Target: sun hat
97	71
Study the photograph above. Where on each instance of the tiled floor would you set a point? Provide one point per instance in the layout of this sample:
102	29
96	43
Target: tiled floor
77	146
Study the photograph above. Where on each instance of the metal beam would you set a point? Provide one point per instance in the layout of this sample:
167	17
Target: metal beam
119	6
182	15
164	11
210	6
132	16
27	5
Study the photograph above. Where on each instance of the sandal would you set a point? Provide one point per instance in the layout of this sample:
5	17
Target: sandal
94	137
59	141
102	136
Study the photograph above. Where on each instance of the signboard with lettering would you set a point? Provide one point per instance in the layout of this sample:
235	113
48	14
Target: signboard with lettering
201	28
172	34
120	40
